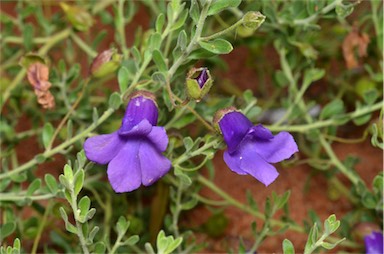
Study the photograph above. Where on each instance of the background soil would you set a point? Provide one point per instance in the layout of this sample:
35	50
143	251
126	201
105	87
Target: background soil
308	189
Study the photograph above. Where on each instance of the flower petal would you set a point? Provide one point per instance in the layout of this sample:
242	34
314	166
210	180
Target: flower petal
374	243
256	166
233	162
159	138
102	148
260	132
141	129
139	108
279	148
234	126
124	172
154	165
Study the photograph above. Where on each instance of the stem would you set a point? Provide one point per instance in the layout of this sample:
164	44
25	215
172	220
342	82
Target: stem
120	27
222	32
352	177
117	244
314	16
302	128
64	120
80	233
12	197
90	52
42	224
61	147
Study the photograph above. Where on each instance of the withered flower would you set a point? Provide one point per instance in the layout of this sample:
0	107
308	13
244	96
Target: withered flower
38	74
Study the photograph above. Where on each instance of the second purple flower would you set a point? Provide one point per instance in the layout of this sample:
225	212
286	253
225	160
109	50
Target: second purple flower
134	152
252	149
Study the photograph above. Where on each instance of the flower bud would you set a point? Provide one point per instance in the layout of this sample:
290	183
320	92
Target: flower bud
199	82
253	19
105	63
77	16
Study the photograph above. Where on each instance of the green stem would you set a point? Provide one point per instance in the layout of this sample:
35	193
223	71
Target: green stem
59	148
354	179
314	16
222	32
79	227
121	28
12	197
42	224
64	120
303	128
90	52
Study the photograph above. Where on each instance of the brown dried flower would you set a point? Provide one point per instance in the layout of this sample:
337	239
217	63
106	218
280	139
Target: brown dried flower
37	75
352	41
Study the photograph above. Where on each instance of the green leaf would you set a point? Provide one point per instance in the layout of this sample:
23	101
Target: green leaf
188	143
160	22
159	60
69	129
68	173
288	247
115	101
122	225
48	131
6	230
92	234
68	226
34	186
189	204
220	5
95	115
154	41
181	21
344	10
218	46
159	77
123	78
194	11
330	246
84	205
332	109
182	40
185	179
312	75
99	247
132	240
184	121
79	181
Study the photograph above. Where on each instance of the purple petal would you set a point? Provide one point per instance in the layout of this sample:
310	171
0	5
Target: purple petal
233	162
102	148
159	138
124	172
260	132
141	129
256	166
202	78
374	243
279	148
234	126
138	109
154	165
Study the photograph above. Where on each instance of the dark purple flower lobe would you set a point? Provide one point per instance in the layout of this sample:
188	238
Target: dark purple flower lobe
374	243
202	78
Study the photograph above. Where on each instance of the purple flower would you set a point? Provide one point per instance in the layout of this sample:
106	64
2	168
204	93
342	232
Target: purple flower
134	152
374	243
251	148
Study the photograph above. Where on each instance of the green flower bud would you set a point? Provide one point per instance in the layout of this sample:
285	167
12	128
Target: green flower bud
199	82
77	16
253	19
105	63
